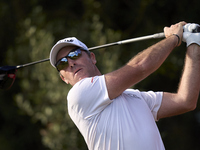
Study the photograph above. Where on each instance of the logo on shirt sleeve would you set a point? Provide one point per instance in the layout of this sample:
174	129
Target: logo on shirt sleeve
92	79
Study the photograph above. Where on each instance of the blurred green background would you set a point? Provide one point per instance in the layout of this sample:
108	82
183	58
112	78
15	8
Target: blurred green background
33	113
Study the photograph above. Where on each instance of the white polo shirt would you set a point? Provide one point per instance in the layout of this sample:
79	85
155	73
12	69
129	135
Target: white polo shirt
124	123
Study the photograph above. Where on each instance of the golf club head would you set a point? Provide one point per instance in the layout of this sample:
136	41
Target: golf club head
7	76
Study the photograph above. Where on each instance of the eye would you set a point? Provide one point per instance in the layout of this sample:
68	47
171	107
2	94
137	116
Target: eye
63	60
62	64
74	55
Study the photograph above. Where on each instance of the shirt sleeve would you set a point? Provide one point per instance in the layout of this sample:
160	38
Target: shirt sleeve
88	97
153	100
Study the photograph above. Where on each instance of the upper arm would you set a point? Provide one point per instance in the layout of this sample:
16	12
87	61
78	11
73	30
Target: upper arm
173	104
121	79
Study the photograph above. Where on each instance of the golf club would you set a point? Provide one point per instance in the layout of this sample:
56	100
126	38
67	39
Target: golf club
8	73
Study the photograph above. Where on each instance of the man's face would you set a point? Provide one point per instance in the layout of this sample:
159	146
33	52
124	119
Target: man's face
77	69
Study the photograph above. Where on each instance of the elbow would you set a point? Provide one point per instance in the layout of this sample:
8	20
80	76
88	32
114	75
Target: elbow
190	106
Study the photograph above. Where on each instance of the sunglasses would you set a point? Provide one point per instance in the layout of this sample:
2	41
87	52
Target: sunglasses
63	62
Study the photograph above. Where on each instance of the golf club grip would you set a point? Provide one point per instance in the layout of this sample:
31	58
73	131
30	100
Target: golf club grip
153	36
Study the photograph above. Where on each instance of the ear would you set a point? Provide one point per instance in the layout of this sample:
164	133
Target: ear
93	58
63	78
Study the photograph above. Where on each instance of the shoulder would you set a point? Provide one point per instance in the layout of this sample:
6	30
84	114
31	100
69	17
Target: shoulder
88	83
88	96
88	87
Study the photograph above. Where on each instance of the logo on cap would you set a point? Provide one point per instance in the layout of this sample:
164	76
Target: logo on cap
70	40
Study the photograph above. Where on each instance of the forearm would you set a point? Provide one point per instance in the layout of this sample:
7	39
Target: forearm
151	59
190	82
143	64
139	67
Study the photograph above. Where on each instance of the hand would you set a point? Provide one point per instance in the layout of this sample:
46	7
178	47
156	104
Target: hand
175	29
191	34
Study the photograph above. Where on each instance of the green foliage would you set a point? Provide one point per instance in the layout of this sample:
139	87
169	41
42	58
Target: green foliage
33	112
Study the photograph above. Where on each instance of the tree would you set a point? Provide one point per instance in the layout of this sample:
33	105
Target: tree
34	110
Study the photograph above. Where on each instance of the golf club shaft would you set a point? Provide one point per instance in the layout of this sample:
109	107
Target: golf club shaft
32	63
153	36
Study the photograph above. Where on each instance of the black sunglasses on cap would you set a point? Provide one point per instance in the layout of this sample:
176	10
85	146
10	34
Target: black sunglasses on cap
63	62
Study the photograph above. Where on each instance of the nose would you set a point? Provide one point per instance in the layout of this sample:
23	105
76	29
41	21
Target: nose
71	62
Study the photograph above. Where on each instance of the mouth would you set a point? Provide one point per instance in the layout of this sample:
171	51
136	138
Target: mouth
77	71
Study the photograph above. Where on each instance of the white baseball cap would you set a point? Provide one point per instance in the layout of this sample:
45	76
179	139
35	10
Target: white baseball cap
71	41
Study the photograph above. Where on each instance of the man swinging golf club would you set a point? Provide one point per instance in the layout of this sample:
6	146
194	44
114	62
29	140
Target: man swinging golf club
108	114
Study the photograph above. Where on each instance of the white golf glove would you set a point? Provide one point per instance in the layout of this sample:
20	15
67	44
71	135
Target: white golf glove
191	33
